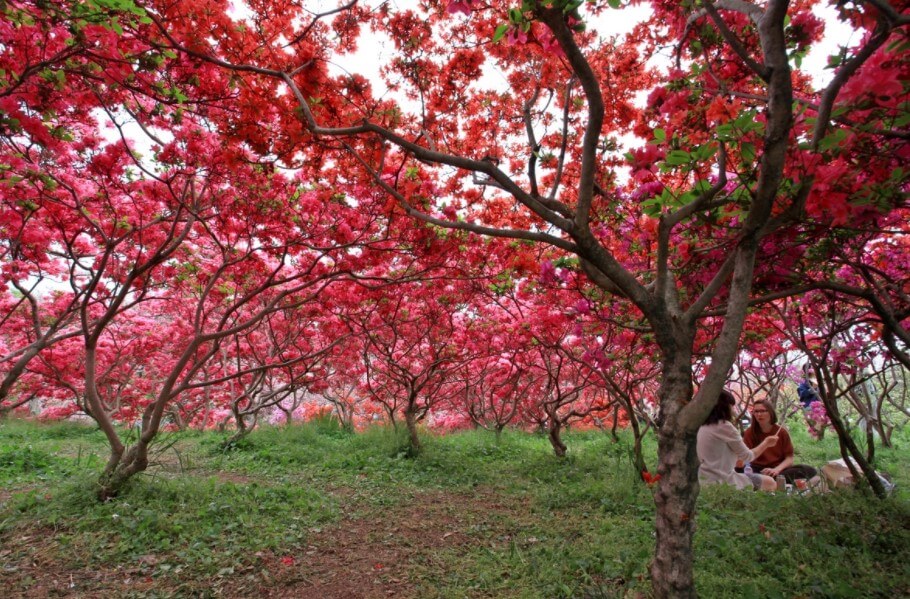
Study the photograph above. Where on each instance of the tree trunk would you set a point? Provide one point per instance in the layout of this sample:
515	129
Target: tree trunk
870	442
849	450
555	440
637	458
410	418
675	498
615	424
178	419
347	418
206	411
121	468
677	487
884	430
242	430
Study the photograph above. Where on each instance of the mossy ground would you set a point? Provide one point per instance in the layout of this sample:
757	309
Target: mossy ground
315	511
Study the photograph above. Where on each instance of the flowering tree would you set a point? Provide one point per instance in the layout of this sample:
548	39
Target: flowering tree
30	324
740	149
567	392
495	388
410	353
278	364
622	362
734	157
838	348
869	267
341	382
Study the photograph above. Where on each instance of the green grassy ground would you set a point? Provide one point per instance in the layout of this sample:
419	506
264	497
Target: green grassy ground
470	517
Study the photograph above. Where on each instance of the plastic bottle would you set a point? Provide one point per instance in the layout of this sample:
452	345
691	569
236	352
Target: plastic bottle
781	483
747	469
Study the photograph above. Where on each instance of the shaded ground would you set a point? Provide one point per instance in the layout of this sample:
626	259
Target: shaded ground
378	555
372	552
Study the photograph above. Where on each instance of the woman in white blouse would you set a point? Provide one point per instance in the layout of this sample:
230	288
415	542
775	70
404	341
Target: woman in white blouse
719	446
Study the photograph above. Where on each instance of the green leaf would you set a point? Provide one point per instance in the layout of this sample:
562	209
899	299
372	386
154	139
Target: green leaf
651	207
746	122
832	140
701	186
660	135
704	152
747	152
678	157
500	32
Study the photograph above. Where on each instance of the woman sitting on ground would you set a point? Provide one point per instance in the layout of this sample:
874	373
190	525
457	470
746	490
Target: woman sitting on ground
778	459
719	446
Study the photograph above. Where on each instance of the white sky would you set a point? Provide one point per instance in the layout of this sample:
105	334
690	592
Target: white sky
376	50
373	53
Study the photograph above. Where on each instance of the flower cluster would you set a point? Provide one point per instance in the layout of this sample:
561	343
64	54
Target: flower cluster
817	419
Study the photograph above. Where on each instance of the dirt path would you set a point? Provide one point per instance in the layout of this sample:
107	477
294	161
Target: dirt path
372	552
383	555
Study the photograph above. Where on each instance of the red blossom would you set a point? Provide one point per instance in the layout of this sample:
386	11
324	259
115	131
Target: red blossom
650	479
460	6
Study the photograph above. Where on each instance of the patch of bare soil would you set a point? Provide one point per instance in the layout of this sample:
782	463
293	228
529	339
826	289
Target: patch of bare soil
377	552
29	569
384	554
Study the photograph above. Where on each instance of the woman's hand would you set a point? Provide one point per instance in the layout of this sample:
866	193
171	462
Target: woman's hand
772	472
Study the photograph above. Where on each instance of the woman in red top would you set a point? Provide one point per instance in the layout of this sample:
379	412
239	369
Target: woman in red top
778	459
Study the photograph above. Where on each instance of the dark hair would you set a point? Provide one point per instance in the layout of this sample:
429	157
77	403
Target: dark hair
723	409
754	427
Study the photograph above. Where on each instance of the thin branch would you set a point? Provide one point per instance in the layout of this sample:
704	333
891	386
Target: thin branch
826	104
316	18
459	225
735	43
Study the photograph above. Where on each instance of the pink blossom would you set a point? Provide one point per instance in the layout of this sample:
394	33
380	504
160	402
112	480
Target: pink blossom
516	36
462	6
582	306
549	44
547	273
648	190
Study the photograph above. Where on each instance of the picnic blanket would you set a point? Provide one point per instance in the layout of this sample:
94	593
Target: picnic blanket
837	475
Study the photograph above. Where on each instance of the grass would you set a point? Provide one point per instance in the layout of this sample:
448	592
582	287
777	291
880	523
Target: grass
207	521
